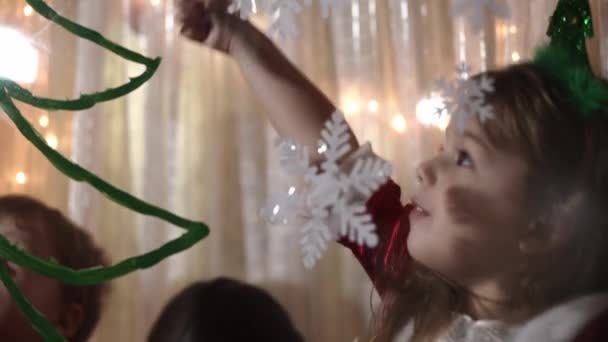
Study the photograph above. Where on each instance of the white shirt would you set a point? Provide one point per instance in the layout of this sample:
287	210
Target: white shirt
561	323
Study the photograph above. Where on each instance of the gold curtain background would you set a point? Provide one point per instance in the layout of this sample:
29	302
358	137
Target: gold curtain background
193	139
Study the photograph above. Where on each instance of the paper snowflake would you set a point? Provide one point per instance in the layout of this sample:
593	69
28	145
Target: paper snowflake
476	11
328	6
245	8
327	193
463	96
284	15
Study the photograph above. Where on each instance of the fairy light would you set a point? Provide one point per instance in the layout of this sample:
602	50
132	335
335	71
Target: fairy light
373	106
430	111
398	123
351	107
19	59
443	122
155	3
20	178
52	141
322	148
44	121
425	110
515	56
513	29
28	10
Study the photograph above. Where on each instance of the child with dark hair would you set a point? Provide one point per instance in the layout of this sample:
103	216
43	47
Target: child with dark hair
223	310
47	233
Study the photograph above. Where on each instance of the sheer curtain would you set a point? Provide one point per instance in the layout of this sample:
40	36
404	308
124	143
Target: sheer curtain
193	139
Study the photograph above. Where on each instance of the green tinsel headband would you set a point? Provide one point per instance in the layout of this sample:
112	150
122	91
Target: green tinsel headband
565	57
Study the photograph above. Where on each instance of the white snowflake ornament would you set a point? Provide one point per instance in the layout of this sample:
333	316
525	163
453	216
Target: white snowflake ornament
331	6
245	8
464	97
328	192
476	11
284	14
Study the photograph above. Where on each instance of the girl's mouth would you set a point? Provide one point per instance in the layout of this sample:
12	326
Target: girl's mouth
418	210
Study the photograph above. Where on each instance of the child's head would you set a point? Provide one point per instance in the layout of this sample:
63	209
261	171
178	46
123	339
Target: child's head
47	233
223	310
513	205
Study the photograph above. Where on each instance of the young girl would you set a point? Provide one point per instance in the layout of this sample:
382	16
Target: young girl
506	237
46	233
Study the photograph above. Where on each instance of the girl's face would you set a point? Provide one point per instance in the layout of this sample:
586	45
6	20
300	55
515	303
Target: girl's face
471	213
42	292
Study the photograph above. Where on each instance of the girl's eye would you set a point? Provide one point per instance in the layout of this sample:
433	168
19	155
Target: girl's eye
463	159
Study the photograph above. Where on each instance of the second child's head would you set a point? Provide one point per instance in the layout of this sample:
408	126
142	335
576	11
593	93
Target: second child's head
510	210
46	233
223	310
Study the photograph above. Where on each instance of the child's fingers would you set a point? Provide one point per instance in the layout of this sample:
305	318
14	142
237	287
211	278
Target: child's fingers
191	9
218	6
185	7
209	23
197	28
200	34
196	18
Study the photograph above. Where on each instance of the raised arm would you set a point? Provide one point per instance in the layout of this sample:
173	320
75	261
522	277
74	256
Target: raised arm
298	110
294	105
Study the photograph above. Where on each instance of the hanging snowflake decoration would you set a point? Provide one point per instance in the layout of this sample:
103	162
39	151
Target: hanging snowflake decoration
327	193
245	8
330	6
464	96
476	11
284	14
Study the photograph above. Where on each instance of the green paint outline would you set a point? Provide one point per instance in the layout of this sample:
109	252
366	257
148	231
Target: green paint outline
9	90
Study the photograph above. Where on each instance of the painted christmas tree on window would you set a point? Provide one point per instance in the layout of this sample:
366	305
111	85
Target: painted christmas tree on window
10	91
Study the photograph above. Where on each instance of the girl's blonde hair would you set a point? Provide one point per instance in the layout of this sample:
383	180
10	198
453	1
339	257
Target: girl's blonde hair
567	156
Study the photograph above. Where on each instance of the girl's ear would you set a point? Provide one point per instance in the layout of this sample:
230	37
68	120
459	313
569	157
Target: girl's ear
537	239
555	228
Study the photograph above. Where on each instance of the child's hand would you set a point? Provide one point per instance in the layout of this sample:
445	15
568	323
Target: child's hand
295	106
208	22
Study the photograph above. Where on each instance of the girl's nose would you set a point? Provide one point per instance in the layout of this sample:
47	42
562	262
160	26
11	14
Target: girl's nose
425	173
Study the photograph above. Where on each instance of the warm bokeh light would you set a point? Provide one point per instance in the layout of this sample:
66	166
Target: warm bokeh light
443	122
28	10
19	59
515	56
430	111
20	178
398	123
52	141
373	106
351	107
44	121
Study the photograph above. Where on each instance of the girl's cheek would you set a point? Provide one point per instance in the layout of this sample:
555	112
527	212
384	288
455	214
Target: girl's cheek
461	205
